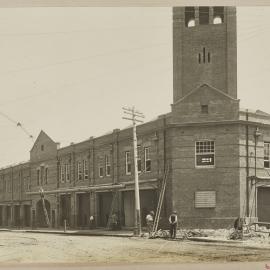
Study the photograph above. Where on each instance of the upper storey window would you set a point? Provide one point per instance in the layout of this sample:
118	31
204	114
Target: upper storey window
190	16
218	16
204	15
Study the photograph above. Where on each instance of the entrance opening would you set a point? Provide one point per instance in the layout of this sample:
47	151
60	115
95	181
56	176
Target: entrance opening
104	203
40	215
8	216
26	215
1	215
17	220
53	218
263	205
148	201
83	201
65	209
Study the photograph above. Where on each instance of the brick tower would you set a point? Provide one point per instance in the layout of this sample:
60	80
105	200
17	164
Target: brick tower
204	49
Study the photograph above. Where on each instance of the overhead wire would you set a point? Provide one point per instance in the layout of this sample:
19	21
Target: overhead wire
18	124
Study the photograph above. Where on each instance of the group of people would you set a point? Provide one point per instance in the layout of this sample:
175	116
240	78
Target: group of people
172	222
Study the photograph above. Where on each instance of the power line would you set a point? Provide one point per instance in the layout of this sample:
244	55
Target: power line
18	124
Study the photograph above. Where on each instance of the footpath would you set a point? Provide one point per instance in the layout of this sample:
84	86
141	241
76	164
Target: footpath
261	242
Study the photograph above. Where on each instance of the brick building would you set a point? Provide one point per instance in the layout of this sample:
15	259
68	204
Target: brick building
218	154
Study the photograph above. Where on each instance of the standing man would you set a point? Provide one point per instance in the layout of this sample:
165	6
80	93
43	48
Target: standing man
150	222
173	224
91	222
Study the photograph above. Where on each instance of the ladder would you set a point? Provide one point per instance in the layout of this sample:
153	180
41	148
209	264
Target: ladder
160	200
114	200
44	207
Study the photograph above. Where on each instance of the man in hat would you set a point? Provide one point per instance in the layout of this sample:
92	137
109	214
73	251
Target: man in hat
150	222
173	224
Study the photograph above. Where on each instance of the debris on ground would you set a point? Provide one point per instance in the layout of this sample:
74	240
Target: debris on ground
196	233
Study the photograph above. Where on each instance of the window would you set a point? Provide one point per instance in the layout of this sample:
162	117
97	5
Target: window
205	199
4	185
38	177
41	175
204	15
46	175
62	173
107	165
190	16
100	171
42	147
67	171
128	163
85	169
147	160
79	171
266	155
139	159
218	16
205	153
204	109
9	186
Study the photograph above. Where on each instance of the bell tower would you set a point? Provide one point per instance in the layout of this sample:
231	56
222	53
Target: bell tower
204	49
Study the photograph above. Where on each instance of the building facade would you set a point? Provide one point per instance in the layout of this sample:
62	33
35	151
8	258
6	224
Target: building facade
217	155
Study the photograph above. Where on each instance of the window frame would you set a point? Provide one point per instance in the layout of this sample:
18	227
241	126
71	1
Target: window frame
38	176
205	153
264	156
107	165
67	172
85	170
62	173
100	171
127	162
79	171
196	203
139	158
147	149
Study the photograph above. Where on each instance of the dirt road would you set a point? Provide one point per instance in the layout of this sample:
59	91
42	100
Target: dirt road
49	248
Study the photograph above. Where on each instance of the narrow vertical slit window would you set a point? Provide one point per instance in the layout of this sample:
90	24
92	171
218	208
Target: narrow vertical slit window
38	176
107	165
79	170
209	57
204	54
85	170
128	163
147	160
199	58
62	173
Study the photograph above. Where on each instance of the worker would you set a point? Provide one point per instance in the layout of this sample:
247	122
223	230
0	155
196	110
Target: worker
173	224
114	222
238	227
91	222
150	222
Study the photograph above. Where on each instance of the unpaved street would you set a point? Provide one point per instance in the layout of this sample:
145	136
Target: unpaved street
49	248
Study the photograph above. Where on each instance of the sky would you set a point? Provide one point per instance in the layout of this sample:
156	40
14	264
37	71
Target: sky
69	71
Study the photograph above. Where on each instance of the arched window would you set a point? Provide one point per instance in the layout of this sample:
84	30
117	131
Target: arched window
191	23
190	16
218	16
217	20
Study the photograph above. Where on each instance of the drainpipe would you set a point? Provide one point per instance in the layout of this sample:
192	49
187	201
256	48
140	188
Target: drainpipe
247	165
257	134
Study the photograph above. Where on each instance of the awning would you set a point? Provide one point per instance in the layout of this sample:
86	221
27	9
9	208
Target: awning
78	189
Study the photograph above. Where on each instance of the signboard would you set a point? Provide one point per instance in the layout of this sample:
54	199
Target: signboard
205	160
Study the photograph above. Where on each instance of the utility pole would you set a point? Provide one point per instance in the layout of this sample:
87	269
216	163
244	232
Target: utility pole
133	115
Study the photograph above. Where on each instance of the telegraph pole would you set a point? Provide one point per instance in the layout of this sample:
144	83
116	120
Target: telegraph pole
133	115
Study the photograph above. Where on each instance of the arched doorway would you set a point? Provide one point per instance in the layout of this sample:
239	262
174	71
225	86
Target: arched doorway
40	215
